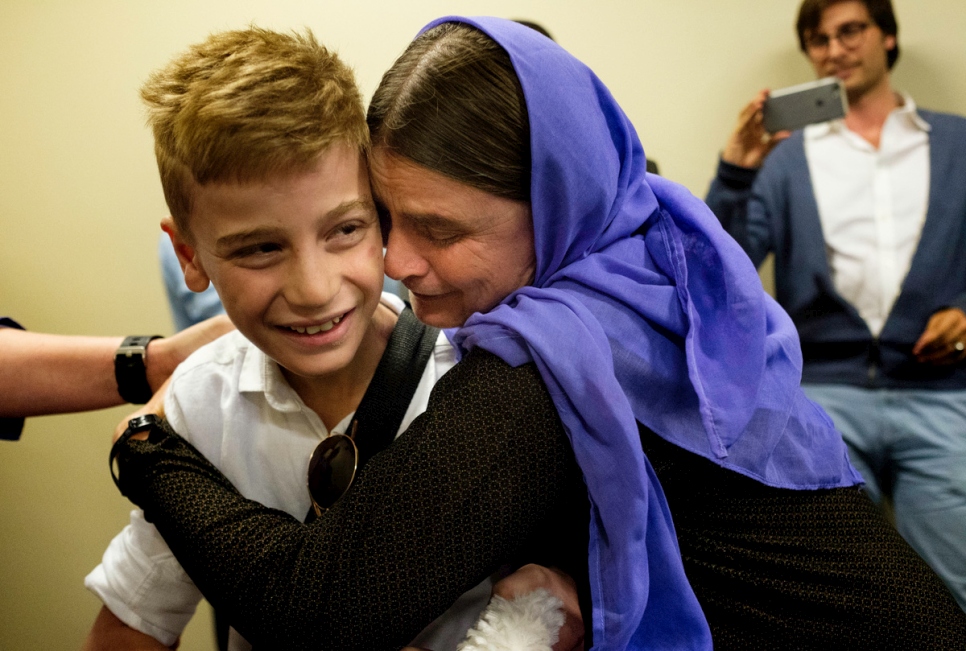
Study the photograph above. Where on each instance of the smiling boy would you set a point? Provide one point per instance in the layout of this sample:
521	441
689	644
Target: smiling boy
260	139
297	262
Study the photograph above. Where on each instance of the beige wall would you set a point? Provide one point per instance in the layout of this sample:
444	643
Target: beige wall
80	203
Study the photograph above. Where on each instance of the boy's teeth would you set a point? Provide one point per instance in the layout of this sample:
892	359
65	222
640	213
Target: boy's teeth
312	330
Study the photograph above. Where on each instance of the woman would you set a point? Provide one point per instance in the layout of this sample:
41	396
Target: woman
519	211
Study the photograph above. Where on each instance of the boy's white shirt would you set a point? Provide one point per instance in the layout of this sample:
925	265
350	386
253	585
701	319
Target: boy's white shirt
260	436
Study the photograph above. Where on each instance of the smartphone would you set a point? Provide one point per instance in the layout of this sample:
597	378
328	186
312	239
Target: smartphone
798	106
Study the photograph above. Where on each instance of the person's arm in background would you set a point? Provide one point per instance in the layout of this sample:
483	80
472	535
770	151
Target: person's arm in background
187	307
731	197
48	374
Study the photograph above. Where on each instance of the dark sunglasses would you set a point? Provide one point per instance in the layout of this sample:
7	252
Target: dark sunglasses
332	467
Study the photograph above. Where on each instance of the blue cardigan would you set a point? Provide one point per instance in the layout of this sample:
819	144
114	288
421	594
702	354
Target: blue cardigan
774	210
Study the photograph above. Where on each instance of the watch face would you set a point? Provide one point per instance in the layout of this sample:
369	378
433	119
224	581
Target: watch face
135	345
141	423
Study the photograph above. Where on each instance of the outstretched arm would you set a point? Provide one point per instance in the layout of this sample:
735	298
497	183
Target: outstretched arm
48	374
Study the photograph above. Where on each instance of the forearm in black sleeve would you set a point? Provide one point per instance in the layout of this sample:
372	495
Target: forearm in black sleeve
474	483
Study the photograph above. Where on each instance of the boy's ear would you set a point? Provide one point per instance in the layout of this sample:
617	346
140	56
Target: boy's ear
195	276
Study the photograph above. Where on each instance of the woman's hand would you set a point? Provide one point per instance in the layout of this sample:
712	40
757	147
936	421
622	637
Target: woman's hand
531	577
153	406
749	143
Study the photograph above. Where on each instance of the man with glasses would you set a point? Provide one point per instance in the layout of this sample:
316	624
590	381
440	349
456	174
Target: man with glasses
866	217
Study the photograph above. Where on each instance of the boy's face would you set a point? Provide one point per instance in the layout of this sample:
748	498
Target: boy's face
297	261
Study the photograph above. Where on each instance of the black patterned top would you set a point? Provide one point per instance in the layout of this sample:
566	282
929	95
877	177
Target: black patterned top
484	478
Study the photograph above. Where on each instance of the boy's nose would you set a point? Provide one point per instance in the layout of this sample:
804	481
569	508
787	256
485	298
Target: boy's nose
312	283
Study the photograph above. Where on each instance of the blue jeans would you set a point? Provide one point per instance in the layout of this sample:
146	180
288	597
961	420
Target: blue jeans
910	446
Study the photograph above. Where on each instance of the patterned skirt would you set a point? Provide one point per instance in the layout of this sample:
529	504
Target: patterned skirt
787	569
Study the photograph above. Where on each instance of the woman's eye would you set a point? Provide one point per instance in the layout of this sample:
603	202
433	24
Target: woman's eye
438	232
385	221
441	238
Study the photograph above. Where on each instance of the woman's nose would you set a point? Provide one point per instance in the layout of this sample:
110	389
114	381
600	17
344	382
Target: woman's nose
403	259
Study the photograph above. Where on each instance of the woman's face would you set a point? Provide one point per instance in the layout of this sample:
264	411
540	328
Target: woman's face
457	249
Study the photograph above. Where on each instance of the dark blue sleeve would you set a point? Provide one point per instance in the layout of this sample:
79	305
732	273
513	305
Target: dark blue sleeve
741	212
958	302
10	428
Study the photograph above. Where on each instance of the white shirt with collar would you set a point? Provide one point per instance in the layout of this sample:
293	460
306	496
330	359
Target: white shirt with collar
232	402
872	205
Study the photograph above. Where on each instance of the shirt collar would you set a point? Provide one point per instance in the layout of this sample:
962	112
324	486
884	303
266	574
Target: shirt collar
909	112
906	111
822	129
261	374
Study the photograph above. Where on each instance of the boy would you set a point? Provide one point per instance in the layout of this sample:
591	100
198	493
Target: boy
260	139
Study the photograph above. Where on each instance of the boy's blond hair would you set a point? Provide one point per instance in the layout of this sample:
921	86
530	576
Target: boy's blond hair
246	105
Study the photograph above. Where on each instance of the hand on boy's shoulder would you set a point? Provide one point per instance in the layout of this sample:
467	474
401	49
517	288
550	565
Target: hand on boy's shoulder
164	355
385	318
153	406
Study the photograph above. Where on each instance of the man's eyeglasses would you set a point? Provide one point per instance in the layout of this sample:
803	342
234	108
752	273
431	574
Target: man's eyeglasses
332	467
848	35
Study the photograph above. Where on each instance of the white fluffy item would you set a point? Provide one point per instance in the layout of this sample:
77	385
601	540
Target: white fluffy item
530	622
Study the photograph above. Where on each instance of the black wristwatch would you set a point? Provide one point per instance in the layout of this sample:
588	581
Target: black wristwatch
130	371
148	423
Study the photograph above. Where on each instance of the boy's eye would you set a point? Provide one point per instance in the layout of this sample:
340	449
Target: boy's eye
351	231
347	229
261	248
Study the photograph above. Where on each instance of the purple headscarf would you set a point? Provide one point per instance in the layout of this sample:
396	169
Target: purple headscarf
643	309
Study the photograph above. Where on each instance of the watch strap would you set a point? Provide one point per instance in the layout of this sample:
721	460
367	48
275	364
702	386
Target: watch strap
130	371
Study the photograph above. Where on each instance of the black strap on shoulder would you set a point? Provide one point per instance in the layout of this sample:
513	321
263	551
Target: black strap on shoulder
381	411
384	404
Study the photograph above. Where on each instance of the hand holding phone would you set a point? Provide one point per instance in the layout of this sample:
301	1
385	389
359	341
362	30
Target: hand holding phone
749	143
798	106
